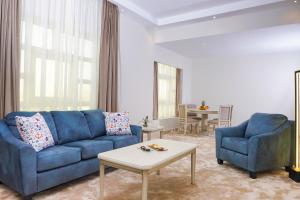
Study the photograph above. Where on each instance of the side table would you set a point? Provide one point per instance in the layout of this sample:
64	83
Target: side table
151	129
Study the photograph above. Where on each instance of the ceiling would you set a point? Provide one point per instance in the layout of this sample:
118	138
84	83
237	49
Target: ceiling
260	41
165	12
165	8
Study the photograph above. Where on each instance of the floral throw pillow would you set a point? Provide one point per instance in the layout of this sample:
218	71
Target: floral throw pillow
117	123
35	131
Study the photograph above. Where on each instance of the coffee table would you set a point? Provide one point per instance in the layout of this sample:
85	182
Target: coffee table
133	159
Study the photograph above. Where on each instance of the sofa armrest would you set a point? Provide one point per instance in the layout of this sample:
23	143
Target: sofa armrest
137	131
270	150
236	131
18	164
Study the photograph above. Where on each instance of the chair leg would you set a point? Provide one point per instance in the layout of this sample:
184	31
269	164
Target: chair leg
29	197
220	162
252	175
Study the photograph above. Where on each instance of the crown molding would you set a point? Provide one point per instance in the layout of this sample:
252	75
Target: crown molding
135	9
226	8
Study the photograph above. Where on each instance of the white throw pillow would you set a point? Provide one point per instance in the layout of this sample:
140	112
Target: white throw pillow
35	131
117	123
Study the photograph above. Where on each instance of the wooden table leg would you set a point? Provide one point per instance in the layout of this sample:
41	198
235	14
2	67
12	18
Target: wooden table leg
204	122
193	166
102	168
145	186
149	136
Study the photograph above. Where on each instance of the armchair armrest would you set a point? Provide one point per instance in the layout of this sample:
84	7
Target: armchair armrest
236	131
270	150
137	131
18	163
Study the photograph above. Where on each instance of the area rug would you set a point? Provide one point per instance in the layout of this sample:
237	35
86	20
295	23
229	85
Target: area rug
213	181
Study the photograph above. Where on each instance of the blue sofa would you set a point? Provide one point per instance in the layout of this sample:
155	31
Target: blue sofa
261	143
79	137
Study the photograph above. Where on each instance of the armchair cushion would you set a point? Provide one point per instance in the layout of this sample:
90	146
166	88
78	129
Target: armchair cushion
91	148
121	141
236	144
261	123
57	156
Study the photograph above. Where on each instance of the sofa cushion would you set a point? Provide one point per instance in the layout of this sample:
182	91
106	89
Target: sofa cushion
236	144
71	126
10	120
96	122
91	148
120	141
57	156
260	123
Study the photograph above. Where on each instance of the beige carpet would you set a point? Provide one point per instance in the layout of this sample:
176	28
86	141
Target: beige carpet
212	182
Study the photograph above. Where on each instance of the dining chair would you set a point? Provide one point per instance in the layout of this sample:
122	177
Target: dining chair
193	115
183	119
225	116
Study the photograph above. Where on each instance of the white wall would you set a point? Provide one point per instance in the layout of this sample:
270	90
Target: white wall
137	55
262	83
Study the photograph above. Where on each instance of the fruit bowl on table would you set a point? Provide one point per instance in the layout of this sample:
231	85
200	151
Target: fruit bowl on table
203	107
157	147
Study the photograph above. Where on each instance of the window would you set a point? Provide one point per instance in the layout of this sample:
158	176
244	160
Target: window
59	54
166	76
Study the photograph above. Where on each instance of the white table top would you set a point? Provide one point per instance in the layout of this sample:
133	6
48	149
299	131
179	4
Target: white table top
152	128
132	156
194	110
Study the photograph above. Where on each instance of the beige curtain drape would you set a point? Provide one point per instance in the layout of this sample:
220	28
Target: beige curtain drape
178	89
155	92
108	77
10	15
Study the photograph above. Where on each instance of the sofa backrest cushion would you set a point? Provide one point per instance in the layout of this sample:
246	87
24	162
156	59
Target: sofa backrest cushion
71	126
96	122
10	120
261	123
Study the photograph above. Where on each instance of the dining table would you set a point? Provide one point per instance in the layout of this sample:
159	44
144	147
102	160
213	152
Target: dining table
204	115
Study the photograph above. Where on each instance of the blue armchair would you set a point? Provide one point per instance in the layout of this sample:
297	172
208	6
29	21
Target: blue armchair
261	143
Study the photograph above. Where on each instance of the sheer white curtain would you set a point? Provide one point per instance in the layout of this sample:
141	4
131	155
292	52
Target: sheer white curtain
60	54
166	91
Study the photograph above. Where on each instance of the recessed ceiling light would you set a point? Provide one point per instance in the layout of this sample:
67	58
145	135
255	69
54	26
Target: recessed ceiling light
214	17
295	1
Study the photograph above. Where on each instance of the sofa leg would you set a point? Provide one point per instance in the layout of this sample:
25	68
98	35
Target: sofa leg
220	162
29	197
253	175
